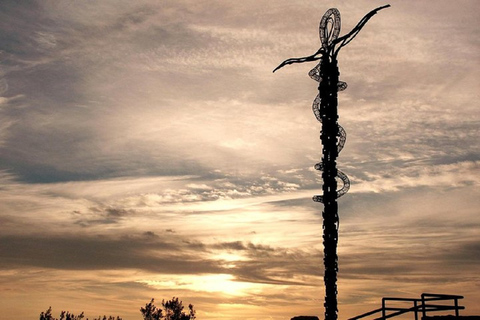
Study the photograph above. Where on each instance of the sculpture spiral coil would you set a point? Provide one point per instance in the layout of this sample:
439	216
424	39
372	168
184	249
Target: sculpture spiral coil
329	30
342	135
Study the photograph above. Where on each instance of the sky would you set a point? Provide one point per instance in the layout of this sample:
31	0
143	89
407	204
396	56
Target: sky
148	151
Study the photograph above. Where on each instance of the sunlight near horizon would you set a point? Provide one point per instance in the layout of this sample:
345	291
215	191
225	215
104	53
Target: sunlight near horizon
219	283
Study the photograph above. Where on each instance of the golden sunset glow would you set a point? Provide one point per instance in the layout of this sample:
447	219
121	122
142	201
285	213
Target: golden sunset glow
217	283
148	151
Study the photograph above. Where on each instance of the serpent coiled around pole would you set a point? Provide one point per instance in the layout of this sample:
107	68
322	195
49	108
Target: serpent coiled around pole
333	138
342	135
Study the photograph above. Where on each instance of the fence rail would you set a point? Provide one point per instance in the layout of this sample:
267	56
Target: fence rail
419	306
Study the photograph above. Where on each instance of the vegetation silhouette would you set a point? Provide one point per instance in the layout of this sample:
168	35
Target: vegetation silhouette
66	315
171	310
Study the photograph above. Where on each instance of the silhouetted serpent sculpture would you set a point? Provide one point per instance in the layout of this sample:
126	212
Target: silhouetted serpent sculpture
332	136
329	30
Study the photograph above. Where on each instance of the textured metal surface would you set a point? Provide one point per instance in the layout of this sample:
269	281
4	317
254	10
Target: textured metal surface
329	28
342	136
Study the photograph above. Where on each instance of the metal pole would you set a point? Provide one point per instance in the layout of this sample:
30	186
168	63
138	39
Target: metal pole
329	114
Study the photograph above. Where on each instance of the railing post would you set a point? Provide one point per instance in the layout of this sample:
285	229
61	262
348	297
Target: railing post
383	309
424	313
416	309
456	307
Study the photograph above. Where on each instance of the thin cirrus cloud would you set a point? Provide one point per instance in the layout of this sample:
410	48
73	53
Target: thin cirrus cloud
146	150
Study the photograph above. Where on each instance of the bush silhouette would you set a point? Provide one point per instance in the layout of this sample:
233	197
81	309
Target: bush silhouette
171	310
66	315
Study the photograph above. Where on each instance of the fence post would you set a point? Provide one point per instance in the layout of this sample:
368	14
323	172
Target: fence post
456	307
416	309
383	308
424	313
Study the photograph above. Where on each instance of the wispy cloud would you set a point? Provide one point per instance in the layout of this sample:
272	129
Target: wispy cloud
146	150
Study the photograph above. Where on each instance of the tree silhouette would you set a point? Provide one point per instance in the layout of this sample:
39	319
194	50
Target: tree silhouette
151	312
172	310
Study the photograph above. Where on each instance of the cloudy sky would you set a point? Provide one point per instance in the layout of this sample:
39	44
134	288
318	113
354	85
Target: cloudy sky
148	151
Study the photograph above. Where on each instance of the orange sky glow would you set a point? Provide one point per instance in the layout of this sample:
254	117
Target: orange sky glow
148	151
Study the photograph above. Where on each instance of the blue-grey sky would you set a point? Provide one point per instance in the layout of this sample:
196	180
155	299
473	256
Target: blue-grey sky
147	150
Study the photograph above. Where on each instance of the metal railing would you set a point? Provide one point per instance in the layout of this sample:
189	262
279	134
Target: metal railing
418	306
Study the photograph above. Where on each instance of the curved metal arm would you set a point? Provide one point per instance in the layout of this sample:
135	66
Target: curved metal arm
353	33
313	57
343	41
